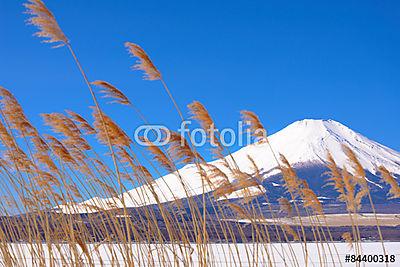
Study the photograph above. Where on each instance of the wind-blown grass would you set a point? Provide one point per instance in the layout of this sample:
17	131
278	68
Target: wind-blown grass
41	172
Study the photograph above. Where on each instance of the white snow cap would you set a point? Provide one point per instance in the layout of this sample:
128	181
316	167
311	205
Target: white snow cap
302	142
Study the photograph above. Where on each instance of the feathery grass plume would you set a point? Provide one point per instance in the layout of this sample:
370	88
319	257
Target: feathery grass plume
61	124
60	150
311	200
254	124
14	113
144	172
5	137
219	180
44	20
45	180
179	148
19	158
213	172
292	182
257	173
110	91
82	124
289	230
347	237
158	155
223	189
143	63
335	178
243	180
394	191
74	189
116	135
285	206
239	210
200	114
359	176
358	168
349	184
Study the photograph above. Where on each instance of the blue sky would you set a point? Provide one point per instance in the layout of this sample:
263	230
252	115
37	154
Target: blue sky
285	60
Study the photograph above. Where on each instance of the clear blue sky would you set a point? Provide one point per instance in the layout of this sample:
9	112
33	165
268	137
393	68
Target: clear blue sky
285	60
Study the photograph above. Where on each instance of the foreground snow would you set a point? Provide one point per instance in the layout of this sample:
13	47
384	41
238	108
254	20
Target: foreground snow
302	142
218	254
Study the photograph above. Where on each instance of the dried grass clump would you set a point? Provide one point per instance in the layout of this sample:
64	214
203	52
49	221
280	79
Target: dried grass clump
347	237
65	126
110	91
82	124
42	18
40	172
143	63
200	113
336	178
109	131
394	191
255	126
289	230
158	155
14	114
292	182
180	150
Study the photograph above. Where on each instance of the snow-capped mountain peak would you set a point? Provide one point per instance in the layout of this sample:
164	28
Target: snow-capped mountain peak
303	143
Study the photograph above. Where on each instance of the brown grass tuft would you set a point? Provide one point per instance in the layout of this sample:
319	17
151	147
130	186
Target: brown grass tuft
110	91
394	191
48	27
253	122
143	63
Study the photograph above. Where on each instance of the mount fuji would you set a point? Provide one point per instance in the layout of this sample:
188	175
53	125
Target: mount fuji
304	143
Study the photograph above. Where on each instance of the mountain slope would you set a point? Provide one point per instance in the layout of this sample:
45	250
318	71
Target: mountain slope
304	143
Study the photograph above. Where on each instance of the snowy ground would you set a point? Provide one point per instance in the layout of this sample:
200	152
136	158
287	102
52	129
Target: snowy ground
219	254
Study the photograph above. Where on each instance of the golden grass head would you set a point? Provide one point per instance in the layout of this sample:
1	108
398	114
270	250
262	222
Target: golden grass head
143	63
347	237
180	150
358	168
311	200
200	113
14	113
289	230
45	21
62	124
110	91
109	128
158	155
292	182
254	124
335	177
83	125
394	191
285	206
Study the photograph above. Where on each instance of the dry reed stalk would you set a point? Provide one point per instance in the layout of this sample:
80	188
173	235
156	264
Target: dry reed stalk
394	191
110	91
42	18
289	230
362	181
285	206
83	125
348	238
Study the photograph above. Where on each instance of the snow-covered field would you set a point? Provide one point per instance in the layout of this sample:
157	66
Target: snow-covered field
285	254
